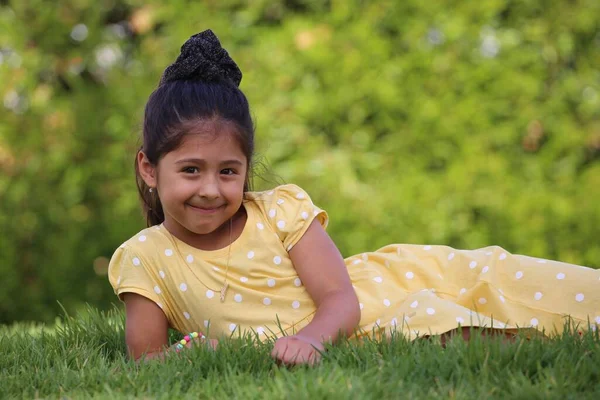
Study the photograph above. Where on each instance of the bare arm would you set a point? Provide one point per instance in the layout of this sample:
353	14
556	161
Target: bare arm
321	268
146	327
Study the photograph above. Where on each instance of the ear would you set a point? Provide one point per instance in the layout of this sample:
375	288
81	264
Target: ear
147	169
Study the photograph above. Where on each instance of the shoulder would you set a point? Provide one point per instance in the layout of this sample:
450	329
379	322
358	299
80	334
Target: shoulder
290	192
288	210
145	244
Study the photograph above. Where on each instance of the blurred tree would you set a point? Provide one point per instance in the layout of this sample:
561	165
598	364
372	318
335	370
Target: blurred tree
446	122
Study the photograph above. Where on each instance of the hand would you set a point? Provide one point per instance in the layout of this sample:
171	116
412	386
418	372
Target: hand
297	349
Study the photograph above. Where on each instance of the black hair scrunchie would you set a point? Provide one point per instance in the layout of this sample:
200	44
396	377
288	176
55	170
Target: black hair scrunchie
203	58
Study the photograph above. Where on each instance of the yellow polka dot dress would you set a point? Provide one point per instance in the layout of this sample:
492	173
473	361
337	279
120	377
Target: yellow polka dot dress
415	290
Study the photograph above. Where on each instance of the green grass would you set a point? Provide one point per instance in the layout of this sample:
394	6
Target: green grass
84	357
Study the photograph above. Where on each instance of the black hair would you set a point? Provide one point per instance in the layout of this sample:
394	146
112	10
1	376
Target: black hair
173	110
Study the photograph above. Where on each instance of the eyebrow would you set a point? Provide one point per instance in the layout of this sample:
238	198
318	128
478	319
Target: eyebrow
201	161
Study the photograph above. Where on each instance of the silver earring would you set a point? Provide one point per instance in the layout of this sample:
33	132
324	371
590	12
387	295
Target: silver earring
151	190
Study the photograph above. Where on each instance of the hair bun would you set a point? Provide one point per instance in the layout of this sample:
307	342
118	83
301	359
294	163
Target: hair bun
203	58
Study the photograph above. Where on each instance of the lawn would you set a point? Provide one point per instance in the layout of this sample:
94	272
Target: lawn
84	356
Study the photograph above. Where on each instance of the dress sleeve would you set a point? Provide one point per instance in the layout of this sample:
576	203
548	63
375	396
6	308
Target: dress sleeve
128	273
291	212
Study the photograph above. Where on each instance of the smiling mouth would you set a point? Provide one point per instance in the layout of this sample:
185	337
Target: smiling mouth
206	210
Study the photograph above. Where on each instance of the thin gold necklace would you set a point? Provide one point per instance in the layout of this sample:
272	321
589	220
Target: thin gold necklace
223	290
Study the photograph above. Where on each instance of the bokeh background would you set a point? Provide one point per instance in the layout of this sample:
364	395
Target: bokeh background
462	123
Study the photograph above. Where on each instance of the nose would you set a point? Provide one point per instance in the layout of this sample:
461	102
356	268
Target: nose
209	188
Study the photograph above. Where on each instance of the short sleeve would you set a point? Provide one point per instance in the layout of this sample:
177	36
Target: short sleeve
291	212
128	273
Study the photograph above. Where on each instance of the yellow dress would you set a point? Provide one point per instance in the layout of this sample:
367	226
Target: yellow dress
415	290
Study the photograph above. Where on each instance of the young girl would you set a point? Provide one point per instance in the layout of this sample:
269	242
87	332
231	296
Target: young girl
219	258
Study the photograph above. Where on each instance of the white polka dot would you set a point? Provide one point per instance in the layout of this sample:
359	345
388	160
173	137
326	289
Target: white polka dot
560	276
244	279
450	256
597	319
280	201
304	215
210	294
260	226
271	282
472	264
386	302
414	304
538	295
232	327
300	196
118	280
168	252
482	300
272	213
267	301
502	299
462	291
297	282
485	269
260	330
142	238
534	322
356	262
394	321
250	254
157	289
579	297
460	320
502	256
378	279
430	311
519	274
162	274
206	322
189	258
361	305
427	248
183	287
277	260
135	261
281	224
237	298
295	304
409	275
186	315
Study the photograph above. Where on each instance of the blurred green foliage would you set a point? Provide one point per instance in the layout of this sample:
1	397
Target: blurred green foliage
441	122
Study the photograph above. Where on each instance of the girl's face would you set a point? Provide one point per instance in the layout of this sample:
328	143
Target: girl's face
201	183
